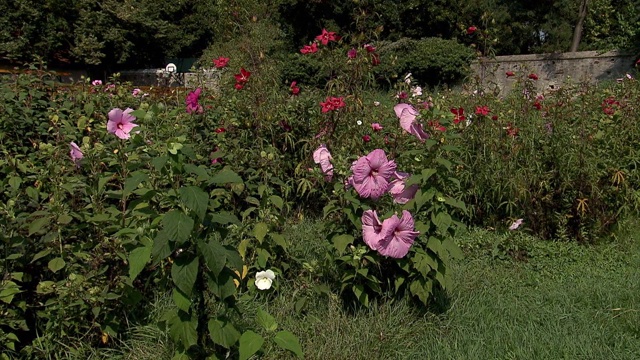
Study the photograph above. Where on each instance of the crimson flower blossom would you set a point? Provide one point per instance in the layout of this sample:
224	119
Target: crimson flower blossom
397	235
309	49
76	153
332	103
366	138
458	115
399	191
494	117
407	115
375	59
471	30
510	73
369	48
537	105
372	174
323	157
121	122
220	62
243	77
371	229
533	76
482	110
352	53
192	102
295	90
220	130
327	36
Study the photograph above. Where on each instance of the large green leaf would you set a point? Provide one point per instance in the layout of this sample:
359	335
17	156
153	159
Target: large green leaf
340	242
225	176
288	341
161	248
177	226
138	259
213	254
260	231
182	329
133	181
267	321
56	264
195	199
224	218
182	301
223	333
184	272
250	343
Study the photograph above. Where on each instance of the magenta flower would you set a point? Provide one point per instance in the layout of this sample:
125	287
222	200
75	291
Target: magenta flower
121	122
323	157
192	102
76	153
376	127
407	115
96	82
352	54
399	191
371	229
398	234
372	174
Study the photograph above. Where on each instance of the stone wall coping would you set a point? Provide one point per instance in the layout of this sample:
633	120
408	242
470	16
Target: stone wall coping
555	56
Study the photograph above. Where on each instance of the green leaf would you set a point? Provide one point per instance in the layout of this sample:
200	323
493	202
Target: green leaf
184	272
340	242
223	286
223	333
250	343
41	254
37	225
452	248
201	172
161	248
422	289
213	254
182	301
182	328
177	226
9	290
288	341
224	218
279	240
427	173
442	221
56	264
139	113
260	230
225	176
64	219
277	201
195	199
267	321
138	259
133	181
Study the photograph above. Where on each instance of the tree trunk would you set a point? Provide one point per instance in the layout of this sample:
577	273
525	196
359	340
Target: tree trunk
577	32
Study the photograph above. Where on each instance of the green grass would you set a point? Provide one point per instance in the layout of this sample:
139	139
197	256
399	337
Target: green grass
515	297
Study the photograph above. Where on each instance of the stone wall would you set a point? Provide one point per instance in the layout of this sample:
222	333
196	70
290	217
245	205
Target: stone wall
553	70
160	77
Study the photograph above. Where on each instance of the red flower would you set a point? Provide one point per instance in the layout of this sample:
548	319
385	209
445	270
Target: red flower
352	53
239	86
471	30
533	76
366	138
327	36
220	130
294	89
510	73
609	105
512	131
243	77
435	124
402	95
482	110
375	59
309	49
459	115
494	117
220	62
537	105
332	103
371	49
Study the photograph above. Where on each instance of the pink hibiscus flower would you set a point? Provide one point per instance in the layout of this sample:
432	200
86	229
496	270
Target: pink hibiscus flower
398	234
399	191
407	115
121	122
372	174
323	157
76	153
371	229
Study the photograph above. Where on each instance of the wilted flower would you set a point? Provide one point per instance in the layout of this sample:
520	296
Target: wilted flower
369	48
121	122
510	73
323	157
416	91
401	95
407	115
397	235
533	76
376	103
220	62
264	279
76	153
295	90
352	53
516	224
372	174
376	127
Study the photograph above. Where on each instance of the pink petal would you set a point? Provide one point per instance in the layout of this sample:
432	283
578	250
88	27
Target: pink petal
115	115
121	134
407	119
401	107
398	235
127	117
387	170
360	169
371	227
128	126
376	159
416	129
